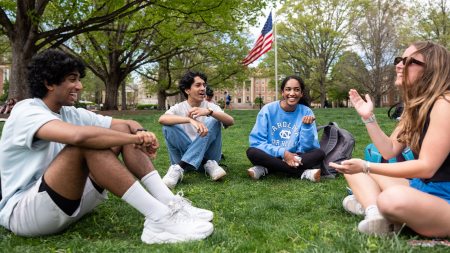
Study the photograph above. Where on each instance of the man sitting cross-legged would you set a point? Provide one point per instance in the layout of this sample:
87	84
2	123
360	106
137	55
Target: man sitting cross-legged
57	161
193	131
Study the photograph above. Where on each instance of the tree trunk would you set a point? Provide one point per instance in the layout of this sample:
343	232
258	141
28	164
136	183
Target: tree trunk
111	98
323	92
112	84
21	56
124	96
162	99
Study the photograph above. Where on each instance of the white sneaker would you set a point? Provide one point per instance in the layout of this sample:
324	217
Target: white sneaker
194	212
378	225
257	171
175	227
352	205
214	170
312	175
173	176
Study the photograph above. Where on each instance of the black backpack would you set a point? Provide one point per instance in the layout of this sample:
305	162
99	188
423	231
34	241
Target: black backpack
396	111
338	145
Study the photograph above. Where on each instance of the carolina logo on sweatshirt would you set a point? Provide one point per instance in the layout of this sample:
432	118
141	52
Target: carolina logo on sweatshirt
282	132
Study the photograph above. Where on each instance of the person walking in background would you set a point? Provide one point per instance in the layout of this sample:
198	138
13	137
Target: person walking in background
57	162
227	101
415	192
193	132
284	138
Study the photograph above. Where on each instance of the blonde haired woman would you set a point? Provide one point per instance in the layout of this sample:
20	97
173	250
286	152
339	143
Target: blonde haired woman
415	193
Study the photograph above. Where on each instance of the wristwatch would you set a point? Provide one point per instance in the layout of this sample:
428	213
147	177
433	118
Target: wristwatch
369	119
210	112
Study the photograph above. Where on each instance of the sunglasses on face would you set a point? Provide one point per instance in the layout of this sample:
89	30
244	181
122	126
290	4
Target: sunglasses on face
397	60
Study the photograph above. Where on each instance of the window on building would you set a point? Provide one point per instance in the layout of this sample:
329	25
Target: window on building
385	99
239	100
247	99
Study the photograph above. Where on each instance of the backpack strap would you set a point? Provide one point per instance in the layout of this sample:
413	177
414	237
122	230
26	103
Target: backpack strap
332	141
333	136
329	124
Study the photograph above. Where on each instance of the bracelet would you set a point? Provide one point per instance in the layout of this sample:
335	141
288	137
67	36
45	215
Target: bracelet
210	112
141	129
370	119
366	167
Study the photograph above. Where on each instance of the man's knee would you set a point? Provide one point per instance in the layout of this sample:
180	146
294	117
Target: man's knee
72	151
121	128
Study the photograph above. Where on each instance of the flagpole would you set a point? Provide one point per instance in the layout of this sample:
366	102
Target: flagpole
276	55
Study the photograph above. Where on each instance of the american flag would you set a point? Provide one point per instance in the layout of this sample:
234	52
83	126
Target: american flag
262	44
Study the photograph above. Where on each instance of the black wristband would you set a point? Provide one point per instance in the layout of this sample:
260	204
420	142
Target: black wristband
141	129
210	112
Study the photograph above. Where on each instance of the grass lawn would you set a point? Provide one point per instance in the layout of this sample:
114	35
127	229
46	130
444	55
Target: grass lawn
275	214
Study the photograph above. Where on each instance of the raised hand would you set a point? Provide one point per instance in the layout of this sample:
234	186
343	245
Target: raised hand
364	108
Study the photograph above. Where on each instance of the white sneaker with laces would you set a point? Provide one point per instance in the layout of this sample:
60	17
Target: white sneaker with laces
352	205
175	227
214	170
173	176
257	171
194	212
312	175
378	225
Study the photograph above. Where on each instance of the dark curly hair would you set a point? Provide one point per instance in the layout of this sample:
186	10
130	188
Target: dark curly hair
51	65
209	91
304	99
188	79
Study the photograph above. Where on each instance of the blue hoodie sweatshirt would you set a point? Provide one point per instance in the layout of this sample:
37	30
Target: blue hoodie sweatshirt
276	130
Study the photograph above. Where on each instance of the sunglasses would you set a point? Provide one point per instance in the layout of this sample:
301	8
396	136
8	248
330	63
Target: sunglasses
397	60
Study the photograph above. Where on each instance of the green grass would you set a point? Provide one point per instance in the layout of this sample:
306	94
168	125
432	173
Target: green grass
275	214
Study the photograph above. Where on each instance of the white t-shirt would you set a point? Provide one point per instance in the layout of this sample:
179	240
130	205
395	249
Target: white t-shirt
182	109
23	158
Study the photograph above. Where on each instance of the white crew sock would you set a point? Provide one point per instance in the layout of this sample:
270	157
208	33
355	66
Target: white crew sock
145	203
372	211
154	184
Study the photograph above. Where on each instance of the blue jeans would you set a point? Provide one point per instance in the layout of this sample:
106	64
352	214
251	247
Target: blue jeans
182	148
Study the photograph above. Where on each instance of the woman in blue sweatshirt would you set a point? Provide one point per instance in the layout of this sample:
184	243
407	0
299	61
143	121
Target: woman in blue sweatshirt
284	137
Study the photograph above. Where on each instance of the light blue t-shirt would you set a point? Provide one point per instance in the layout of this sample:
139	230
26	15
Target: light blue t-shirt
276	130
23	158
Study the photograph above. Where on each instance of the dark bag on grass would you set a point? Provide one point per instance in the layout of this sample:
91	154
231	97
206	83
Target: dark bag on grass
338	144
396	111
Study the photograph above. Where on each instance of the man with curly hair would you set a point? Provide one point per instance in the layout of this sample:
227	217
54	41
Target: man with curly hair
57	162
193	131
